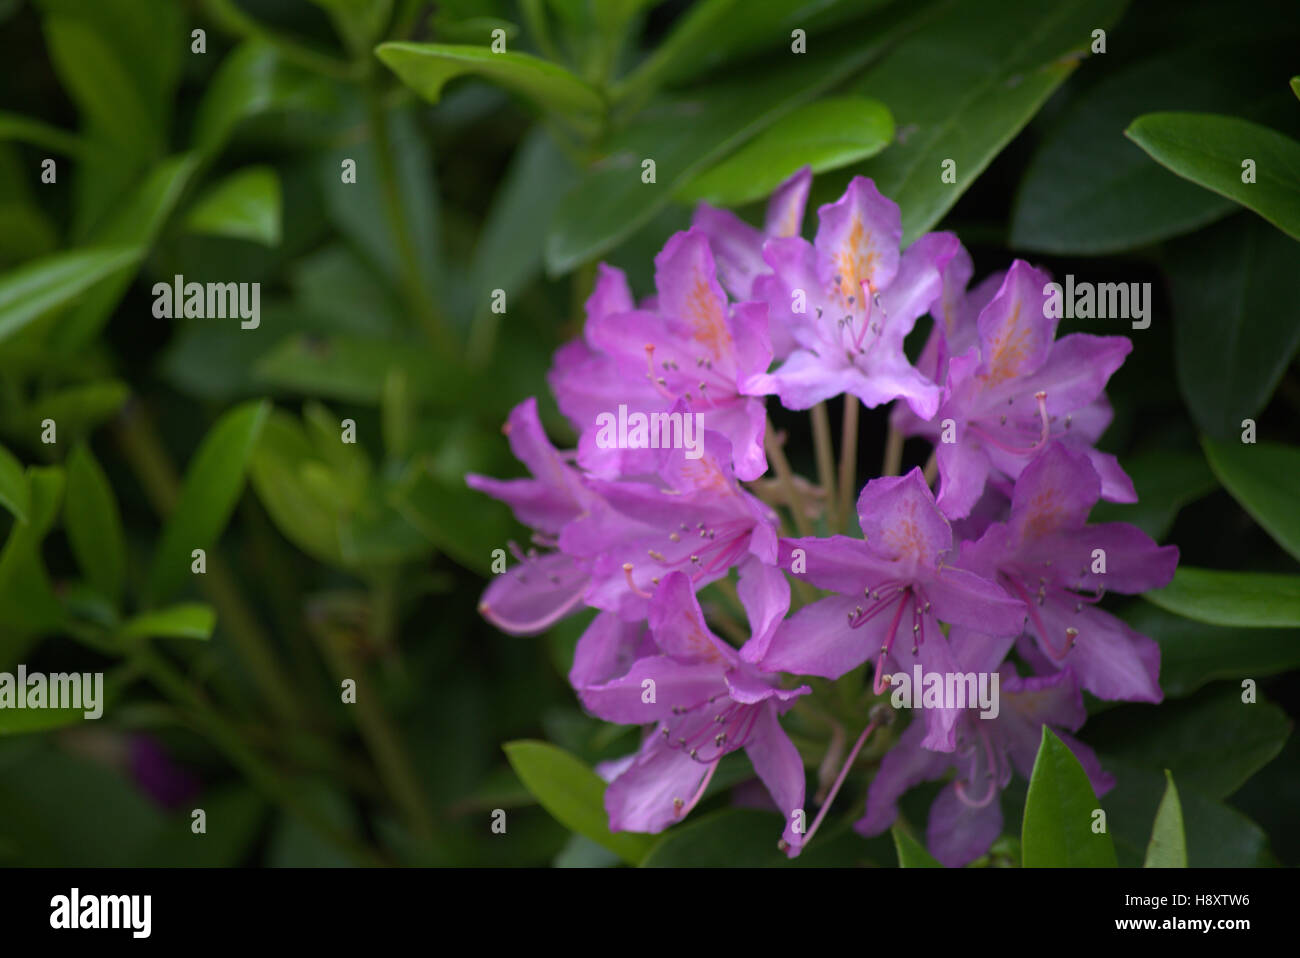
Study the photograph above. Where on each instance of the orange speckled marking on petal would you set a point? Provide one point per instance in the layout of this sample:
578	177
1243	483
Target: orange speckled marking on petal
903	536
708	325
1010	349
1045	513
693	636
704	473
855	261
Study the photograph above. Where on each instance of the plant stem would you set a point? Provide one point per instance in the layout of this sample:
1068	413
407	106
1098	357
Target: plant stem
893	453
786	478
821	423
230	18
932	467
848	460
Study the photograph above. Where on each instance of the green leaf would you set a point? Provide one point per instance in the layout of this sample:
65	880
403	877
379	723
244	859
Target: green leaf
1212	742
1168	846
825	135
94	524
190	620
359	22
136	222
1088	190
24	129
37	287
15	494
574	795
28	721
212	486
1236	298
985	77
77	409
911	854
1194	653
1165	480
1264	478
1209	150
456	519
245	205
353	369
1057	830
426	68
28	605
1252	600
1217	836
277	472
685	136
747	838
1295	86
254	80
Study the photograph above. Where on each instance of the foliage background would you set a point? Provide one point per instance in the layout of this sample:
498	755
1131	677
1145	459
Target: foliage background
329	561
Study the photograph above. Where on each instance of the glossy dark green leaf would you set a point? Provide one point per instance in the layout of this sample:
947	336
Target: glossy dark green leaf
37	287
1193	653
245	205
1212	742
686	135
1165	480
213	484
426	68
985	77
1088	190
94	524
190	620
1168	846
1217	836
15	493
911	854
1210	150
826	135
1264	478
574	795
1058	826
1252	600
1236	297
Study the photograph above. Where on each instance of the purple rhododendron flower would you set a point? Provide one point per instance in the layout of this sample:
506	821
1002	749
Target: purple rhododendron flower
706	702
848	300
1049	556
898	577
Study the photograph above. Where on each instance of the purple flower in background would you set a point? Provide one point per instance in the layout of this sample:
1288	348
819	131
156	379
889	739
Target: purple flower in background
1004	399
706	702
966	818
543	588
1049	556
897	579
848	300
168	784
692	347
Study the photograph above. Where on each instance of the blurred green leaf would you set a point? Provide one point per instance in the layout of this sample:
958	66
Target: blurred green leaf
426	68
190	620
28	605
455	518
277	475
1236	297
1088	190
1168	847
1212	742
1193	653
354	369
76	410
94	524
985	77
212	486
1264	478
687	134
56	280
747	838
574	795
1057	830
826	134
15	494
245	205
253	80
1251	600
25	129
135	222
1210	150
359	22
911	854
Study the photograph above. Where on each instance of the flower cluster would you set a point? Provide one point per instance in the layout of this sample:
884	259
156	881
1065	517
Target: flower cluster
996	573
